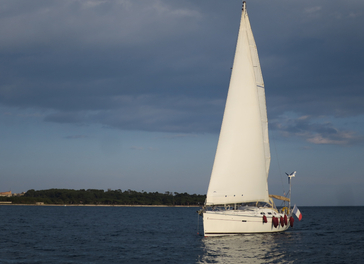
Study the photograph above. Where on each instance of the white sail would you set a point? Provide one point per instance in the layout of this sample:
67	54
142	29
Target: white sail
242	157
261	93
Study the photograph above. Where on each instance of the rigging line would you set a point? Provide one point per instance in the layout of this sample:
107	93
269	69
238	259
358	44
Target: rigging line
279	166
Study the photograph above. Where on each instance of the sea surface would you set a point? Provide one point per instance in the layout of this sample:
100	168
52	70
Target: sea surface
66	234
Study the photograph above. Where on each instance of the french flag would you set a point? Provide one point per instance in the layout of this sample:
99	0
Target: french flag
297	212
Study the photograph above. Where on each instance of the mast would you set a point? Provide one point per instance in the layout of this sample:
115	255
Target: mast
290	176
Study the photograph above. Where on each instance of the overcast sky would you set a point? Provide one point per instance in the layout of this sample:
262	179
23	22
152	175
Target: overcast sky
130	94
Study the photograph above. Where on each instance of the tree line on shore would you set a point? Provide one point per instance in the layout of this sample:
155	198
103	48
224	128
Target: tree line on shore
109	197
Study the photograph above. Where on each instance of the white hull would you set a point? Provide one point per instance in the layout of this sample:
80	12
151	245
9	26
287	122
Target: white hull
232	222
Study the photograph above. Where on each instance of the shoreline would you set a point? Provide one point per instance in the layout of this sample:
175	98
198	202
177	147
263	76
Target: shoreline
101	205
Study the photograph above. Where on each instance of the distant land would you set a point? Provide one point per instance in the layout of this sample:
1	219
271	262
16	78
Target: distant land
101	197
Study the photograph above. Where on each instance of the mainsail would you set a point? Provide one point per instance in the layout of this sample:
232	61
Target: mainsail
242	159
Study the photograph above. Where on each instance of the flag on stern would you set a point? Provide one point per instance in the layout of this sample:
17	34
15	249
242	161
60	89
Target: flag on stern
297	212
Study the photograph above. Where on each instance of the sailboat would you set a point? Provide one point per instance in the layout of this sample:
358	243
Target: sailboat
237	199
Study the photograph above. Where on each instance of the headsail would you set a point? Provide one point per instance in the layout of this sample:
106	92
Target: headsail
242	157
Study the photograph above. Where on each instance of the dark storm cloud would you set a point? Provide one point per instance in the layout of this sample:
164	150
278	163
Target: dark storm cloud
129	64
315	65
165	65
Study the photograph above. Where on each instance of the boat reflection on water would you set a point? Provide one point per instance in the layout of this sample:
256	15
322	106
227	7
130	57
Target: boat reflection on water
248	248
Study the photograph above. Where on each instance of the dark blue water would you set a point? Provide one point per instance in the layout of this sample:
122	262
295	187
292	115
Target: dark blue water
46	234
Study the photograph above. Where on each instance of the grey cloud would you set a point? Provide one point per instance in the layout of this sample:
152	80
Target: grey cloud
165	65
315	132
87	55
313	64
151	113
62	117
76	137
